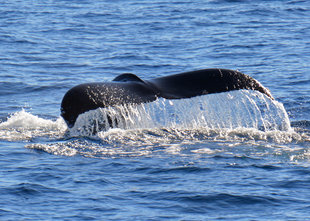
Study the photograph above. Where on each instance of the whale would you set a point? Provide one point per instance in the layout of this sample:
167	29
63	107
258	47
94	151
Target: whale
129	89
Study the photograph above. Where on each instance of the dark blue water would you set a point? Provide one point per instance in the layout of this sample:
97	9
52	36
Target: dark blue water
242	157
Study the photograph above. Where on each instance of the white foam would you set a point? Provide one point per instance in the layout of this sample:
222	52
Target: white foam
57	148
171	141
25	126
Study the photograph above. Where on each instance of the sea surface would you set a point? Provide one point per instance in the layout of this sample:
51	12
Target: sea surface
229	156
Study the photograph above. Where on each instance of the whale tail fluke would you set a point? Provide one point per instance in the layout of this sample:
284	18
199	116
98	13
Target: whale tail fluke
130	89
206	81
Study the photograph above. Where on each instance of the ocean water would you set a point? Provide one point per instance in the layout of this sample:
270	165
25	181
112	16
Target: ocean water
229	156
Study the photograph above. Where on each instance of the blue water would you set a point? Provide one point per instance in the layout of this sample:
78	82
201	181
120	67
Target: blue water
177	161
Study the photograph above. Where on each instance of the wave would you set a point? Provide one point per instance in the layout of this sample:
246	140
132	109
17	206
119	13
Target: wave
24	126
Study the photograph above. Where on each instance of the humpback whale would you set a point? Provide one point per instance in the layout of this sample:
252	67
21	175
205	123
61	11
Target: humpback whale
130	89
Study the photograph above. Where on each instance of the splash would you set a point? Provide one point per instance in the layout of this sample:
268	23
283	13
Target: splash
236	109
213	124
25	126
